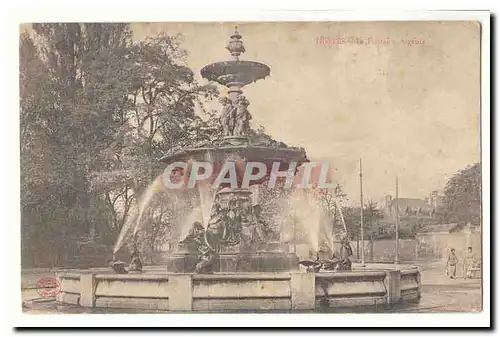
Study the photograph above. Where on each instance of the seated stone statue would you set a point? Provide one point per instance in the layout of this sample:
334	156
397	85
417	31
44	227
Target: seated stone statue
332	264
342	263
195	237
196	240
345	263
135	263
312	266
118	267
217	223
205	265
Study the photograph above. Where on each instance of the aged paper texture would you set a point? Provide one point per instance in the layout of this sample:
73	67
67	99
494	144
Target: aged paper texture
251	167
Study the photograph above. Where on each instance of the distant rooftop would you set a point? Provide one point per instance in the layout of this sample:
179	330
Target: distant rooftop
407	207
441	228
413	203
444	228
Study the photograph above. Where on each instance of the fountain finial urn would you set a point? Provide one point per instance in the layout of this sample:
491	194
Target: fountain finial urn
235	73
235	45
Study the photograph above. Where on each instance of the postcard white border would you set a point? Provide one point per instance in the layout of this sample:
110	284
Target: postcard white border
117	13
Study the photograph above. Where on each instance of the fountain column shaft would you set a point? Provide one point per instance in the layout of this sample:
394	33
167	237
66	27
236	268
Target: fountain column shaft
234	90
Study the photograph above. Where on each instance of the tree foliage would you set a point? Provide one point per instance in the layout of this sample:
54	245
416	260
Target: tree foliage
372	215
66	114
462	197
97	110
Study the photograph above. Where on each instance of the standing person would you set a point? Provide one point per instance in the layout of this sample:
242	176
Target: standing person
452	264
470	262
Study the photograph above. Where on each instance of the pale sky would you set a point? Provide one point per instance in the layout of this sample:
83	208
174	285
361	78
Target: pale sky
406	110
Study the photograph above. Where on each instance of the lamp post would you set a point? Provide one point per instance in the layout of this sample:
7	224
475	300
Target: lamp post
396	260
362	224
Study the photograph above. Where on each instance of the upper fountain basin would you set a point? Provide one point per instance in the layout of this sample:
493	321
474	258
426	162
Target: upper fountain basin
217	157
243	72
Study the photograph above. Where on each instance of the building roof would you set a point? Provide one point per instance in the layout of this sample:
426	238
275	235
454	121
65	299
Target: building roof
441	228
417	207
412	203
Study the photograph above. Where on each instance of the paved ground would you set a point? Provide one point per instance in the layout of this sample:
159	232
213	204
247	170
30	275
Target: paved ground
439	293
442	294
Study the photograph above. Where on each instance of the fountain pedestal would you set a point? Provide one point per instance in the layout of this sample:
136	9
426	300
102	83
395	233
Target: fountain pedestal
235	238
259	261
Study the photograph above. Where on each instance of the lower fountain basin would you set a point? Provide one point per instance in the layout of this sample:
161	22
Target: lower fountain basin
154	289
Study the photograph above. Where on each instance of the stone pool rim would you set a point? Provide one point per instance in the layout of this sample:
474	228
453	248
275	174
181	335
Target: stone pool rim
369	285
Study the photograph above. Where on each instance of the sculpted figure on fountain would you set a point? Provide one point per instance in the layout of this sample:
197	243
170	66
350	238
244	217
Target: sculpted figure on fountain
262	229
227	116
234	220
243	117
135	263
235	118
345	263
232	225
196	236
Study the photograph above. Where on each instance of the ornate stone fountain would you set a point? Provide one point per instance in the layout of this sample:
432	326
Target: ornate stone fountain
236	238
234	254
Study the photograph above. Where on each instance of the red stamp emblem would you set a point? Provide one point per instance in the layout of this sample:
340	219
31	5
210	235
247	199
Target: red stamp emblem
48	286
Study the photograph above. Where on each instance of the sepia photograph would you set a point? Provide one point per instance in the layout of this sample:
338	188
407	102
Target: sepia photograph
251	167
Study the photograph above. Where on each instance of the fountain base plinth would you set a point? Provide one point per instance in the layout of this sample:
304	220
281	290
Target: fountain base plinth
373	287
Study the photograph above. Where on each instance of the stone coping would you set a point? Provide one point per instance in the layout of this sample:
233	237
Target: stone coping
352	274
234	276
383	266
215	276
70	275
159	272
243	276
132	276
